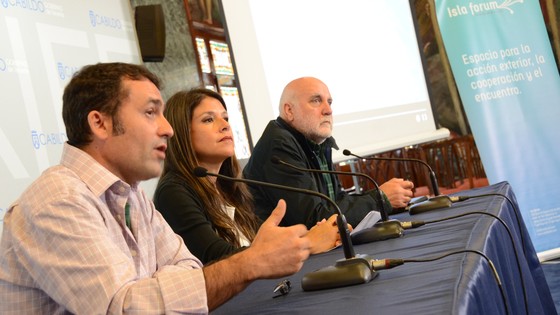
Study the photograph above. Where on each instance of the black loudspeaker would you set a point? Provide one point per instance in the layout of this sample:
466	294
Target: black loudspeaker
150	29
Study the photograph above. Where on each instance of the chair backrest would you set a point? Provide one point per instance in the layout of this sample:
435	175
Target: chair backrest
453	160
441	157
347	182
384	170
469	160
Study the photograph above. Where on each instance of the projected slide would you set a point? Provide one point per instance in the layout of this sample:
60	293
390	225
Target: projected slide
366	51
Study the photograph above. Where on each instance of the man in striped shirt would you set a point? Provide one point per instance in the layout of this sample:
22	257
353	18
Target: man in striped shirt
85	239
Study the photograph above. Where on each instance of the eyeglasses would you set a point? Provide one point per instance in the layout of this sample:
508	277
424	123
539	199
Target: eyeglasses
282	288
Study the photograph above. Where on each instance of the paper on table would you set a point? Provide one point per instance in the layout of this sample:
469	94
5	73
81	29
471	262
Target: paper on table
368	221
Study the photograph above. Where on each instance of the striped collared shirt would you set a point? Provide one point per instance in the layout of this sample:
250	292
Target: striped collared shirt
65	248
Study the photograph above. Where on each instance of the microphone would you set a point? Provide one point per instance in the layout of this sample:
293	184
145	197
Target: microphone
354	269
433	178
433	203
379	231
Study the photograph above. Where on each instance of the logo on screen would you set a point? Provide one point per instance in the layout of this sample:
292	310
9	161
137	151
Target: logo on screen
45	139
66	71
32	5
3	66
103	20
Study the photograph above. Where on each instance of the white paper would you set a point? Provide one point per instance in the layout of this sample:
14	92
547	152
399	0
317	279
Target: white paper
368	221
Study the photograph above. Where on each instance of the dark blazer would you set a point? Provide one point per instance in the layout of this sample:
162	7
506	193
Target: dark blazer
182	208
281	140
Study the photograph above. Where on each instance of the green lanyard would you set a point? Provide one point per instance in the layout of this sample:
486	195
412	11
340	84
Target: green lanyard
127	216
323	164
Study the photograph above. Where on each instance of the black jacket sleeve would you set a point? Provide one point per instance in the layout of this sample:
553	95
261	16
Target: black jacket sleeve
301	208
182	209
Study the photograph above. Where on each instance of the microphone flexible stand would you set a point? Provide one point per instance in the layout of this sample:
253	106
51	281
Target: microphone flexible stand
433	178
354	269
385	229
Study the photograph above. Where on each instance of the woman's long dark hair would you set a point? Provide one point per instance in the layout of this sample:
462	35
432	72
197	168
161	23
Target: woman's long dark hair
181	159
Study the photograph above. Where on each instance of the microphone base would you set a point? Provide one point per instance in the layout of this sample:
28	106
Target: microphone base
399	210
345	272
378	232
433	203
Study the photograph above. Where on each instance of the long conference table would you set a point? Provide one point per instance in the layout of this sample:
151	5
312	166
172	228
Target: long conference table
461	283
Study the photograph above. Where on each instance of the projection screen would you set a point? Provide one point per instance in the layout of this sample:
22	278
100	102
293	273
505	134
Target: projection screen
366	51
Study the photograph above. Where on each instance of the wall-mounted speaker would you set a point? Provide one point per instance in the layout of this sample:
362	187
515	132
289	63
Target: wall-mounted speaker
150	29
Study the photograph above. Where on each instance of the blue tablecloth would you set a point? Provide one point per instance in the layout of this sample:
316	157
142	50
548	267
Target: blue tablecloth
459	284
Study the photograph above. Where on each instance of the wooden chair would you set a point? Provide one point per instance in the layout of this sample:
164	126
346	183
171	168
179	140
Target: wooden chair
454	160
347	182
469	161
440	156
384	170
